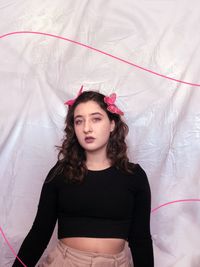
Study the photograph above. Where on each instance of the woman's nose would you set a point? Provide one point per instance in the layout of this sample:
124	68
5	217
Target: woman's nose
87	127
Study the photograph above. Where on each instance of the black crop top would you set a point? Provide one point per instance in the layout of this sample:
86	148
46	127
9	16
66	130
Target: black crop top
107	204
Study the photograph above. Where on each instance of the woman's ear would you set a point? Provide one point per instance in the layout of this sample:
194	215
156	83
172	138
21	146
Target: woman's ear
112	126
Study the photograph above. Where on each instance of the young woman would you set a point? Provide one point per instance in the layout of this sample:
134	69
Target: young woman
101	200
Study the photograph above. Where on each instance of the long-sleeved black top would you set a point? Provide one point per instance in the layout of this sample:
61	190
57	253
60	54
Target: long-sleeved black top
108	204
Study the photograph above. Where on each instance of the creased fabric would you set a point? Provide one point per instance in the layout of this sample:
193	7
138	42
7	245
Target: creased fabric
39	73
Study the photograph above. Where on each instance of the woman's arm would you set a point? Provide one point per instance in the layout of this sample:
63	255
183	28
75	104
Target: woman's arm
139	239
39	235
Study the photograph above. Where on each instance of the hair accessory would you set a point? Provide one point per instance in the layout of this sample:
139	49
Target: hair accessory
71	101
110	101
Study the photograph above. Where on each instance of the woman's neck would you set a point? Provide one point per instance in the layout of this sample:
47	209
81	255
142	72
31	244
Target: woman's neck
98	167
97	163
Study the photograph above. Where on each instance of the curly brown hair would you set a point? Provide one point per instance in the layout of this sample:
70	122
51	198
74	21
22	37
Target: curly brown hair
71	156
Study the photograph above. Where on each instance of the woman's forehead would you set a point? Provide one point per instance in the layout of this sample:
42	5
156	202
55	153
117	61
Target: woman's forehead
87	108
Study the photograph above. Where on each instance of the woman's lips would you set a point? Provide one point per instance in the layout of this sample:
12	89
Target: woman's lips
89	139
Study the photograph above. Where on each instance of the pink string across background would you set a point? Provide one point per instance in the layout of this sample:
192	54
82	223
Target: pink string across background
153	210
99	51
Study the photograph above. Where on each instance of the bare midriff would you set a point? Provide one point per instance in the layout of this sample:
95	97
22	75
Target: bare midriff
99	245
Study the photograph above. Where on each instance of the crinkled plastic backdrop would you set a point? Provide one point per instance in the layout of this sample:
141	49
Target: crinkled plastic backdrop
38	73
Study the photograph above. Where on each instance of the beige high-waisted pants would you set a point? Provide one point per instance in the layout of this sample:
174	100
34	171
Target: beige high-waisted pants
64	256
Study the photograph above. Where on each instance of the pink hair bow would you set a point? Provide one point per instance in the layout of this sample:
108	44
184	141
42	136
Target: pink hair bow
71	101
110	101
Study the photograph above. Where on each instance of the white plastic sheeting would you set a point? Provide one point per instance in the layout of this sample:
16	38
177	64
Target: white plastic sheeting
38	73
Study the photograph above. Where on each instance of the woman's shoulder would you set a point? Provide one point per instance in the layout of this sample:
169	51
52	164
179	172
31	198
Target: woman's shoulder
135	169
138	177
54	173
139	170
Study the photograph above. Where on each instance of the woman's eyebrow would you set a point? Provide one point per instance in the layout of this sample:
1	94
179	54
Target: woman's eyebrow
91	114
96	113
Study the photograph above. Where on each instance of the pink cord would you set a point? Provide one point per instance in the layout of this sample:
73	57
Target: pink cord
122	60
155	209
10	246
100	51
176	201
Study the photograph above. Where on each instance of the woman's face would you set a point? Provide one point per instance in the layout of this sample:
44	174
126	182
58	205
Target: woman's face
92	126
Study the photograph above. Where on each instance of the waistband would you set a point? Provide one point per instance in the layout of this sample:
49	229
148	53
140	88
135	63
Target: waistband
89	257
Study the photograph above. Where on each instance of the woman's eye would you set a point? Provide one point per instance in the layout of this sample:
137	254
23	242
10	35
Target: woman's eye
77	122
96	119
